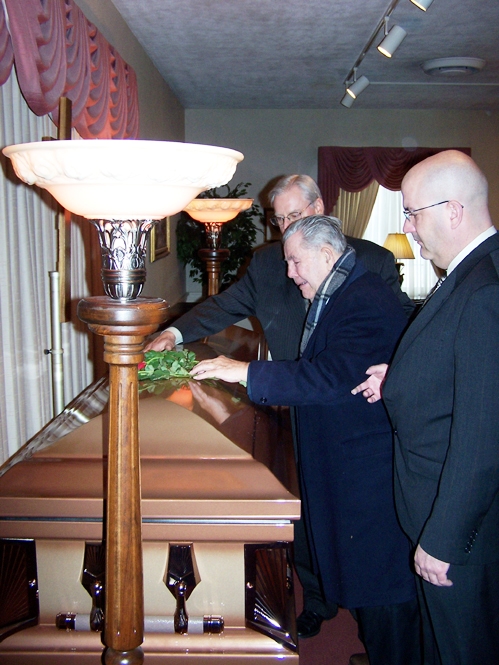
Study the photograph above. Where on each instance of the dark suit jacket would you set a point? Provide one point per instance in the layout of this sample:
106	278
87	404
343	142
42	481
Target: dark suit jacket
345	444
441	394
267	293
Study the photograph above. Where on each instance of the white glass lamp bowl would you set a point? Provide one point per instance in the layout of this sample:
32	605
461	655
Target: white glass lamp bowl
120	179
110	181
215	212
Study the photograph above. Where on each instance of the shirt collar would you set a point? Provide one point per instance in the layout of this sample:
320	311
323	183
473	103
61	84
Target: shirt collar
469	248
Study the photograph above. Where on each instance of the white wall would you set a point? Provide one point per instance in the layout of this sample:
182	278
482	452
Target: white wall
278	142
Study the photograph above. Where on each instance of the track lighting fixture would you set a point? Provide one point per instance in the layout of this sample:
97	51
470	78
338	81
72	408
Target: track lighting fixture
347	100
358	85
422	4
392	39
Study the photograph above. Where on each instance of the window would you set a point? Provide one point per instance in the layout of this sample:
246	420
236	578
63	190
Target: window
387	217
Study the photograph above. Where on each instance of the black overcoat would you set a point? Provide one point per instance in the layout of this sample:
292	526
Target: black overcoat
345	444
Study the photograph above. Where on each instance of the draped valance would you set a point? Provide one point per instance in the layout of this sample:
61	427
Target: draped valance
353	169
57	53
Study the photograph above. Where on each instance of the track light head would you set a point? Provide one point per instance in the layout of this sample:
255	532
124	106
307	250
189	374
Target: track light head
347	100
392	41
422	4
357	87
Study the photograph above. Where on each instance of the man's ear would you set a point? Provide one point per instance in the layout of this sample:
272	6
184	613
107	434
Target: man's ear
319	206
456	213
329	255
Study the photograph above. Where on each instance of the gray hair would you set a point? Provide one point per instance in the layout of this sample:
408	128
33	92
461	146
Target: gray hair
318	230
307	185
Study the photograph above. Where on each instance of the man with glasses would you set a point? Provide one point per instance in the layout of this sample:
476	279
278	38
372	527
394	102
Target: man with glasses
440	394
266	293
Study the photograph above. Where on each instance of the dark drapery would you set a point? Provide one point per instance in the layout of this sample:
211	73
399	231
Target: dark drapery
57	53
353	169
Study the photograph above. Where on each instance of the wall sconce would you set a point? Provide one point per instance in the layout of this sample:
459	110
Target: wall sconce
398	245
422	4
392	39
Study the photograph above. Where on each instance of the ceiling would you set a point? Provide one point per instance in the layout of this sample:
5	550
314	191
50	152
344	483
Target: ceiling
296	54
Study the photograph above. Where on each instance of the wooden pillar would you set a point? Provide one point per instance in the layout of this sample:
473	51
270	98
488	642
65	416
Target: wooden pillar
213	259
124	327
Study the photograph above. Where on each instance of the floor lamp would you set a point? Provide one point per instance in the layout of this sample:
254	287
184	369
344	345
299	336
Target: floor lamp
213	213
123	188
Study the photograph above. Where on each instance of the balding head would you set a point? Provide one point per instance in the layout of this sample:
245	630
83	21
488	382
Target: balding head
452	180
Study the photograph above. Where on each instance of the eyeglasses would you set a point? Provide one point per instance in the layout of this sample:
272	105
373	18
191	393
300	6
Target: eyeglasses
293	216
409	213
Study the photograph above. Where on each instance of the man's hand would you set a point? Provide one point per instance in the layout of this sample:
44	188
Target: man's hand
232	371
371	388
163	342
211	400
430	569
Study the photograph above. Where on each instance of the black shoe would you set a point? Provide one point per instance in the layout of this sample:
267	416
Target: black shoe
359	659
308	624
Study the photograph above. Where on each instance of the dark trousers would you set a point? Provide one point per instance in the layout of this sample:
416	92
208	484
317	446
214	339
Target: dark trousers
391	634
461	622
313	597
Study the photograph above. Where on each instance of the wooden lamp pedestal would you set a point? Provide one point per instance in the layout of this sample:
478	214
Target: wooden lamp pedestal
124	327
213	259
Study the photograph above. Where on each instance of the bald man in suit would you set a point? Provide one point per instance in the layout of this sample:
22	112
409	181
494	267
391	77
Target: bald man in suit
440	394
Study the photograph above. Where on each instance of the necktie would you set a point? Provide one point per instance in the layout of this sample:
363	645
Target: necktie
434	288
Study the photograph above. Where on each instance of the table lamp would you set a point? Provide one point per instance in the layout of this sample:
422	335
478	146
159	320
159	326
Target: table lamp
398	245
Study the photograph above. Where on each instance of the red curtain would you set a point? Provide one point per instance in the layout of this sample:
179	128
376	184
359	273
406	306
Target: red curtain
57	53
353	169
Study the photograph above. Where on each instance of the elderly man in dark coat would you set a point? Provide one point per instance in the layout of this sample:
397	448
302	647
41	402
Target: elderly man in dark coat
345	445
265	292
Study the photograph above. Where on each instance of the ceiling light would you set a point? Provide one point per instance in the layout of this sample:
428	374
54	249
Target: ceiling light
357	87
392	41
422	4
347	100
453	66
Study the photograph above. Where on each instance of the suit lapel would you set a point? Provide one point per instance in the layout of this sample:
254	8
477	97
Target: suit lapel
425	315
428	311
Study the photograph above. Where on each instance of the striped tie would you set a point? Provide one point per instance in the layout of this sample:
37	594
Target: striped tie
435	287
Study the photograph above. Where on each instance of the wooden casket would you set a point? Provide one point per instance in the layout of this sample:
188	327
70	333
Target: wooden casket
217	515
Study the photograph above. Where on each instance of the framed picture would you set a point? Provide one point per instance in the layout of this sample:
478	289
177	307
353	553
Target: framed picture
159	240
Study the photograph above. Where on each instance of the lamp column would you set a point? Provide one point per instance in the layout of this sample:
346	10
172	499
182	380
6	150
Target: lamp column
213	260
124	326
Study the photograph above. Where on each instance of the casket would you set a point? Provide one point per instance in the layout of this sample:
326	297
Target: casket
218	504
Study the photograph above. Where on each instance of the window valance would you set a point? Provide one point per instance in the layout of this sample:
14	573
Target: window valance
353	169
57	53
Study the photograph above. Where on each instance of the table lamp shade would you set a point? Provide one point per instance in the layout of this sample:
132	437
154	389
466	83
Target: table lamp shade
398	245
